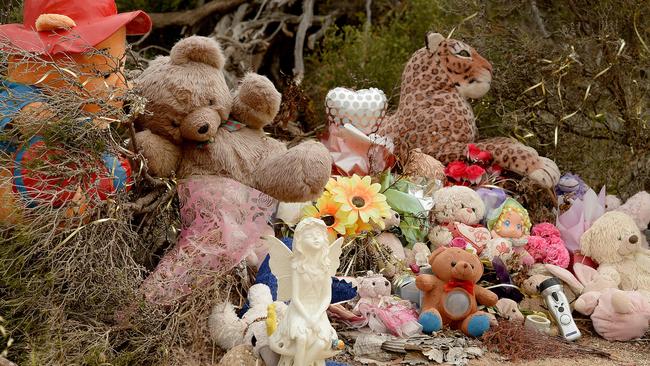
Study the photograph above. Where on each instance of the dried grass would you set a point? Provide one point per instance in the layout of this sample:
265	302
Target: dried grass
516	342
69	285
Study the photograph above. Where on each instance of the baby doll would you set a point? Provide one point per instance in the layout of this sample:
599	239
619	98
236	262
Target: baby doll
382	313
510	224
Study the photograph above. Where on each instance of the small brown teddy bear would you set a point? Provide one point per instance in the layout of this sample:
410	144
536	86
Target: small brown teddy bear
195	126
451	294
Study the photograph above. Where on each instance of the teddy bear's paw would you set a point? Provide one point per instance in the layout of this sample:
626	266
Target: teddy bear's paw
312	167
547	174
430	321
476	324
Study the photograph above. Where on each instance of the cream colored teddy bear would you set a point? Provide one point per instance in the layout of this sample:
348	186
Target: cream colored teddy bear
614	241
455	208
230	332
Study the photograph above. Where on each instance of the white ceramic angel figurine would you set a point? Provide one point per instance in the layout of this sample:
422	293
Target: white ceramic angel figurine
305	336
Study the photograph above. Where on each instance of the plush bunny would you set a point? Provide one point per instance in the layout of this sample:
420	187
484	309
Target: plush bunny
616	315
382	313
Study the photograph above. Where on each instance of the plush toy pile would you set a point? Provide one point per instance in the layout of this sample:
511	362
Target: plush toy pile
400	225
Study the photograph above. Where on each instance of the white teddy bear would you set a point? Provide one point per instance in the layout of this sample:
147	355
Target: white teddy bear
228	330
456	208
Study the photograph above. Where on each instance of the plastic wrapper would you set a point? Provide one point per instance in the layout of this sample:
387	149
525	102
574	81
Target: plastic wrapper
580	216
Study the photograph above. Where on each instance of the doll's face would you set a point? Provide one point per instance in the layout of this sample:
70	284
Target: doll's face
512	225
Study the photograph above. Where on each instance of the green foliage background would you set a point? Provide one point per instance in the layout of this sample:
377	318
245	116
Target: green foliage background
592	58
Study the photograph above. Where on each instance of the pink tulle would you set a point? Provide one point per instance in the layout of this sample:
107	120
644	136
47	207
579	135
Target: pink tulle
546	245
222	221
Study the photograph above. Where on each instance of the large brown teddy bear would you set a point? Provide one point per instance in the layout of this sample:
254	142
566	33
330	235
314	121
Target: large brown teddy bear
195	126
434	113
450	295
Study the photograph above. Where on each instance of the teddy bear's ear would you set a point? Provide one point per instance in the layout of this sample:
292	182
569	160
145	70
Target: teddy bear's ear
435	253
198	49
433	40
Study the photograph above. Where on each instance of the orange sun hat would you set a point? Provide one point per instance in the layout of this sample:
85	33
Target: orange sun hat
82	25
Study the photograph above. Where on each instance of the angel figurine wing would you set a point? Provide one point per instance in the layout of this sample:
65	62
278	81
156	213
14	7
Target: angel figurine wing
280	258
334	254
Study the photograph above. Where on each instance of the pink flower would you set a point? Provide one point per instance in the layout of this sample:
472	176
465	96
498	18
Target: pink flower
537	247
546	230
474	173
458	242
456	170
557	254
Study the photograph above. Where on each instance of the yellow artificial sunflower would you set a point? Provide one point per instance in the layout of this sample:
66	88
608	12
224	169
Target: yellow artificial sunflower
329	211
361	199
357	227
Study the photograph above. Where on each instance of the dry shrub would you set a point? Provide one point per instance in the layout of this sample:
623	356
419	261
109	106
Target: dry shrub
516	342
70	274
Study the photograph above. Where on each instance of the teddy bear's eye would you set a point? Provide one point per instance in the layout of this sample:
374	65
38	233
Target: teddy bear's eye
514	310
453	264
472	266
462	205
175	124
211	101
373	283
386	283
619	238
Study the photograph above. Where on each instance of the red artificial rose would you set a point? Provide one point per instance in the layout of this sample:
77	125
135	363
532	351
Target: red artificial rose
456	170
473	152
474	173
484	156
496	169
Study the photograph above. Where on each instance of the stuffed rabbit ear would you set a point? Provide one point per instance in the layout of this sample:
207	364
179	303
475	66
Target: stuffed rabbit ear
566	276
585	274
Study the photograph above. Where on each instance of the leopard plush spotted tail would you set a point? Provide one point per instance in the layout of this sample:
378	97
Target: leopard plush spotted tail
434	113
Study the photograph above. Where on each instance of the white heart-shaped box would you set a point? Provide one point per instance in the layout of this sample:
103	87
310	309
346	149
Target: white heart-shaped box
363	108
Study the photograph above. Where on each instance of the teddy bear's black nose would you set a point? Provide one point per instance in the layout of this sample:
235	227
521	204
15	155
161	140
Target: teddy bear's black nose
634	239
204	128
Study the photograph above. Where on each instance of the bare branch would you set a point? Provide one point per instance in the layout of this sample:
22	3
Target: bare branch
305	23
191	17
538	19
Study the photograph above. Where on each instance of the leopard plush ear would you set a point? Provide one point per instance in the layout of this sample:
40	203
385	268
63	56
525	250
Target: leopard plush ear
433	40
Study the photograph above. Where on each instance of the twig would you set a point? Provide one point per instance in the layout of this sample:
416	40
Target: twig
538	19
305	23
191	17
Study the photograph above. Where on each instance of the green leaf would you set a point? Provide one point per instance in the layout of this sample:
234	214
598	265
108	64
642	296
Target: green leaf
403	202
386	180
414	229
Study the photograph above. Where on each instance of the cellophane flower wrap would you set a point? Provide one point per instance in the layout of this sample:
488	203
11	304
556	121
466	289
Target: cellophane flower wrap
222	220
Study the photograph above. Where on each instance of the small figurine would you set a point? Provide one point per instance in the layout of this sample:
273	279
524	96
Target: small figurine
511	222
305	337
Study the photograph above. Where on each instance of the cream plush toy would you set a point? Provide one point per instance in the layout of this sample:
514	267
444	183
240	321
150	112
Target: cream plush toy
228	330
637	206
614	242
456	210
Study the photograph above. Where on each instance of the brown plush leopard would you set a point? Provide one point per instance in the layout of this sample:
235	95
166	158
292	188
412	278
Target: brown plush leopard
435	116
